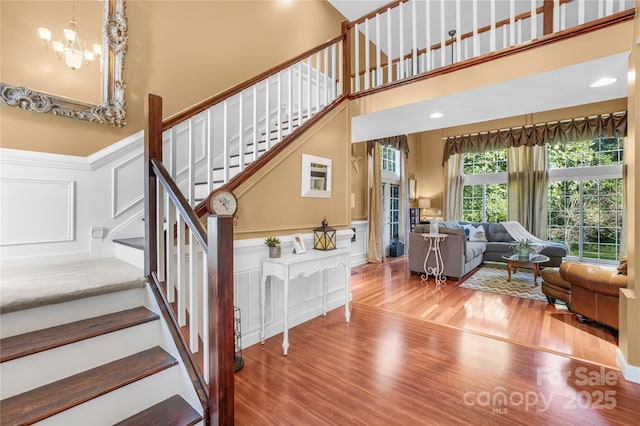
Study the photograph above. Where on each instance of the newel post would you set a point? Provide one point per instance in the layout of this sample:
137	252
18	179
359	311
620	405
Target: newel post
221	324
152	150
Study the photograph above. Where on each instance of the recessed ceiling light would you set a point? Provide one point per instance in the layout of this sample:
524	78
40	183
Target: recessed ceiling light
603	82
436	115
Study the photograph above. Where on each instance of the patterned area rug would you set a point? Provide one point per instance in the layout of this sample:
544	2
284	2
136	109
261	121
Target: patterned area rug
494	280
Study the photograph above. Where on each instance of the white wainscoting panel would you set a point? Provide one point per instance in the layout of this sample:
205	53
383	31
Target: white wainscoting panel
127	184
36	211
360	245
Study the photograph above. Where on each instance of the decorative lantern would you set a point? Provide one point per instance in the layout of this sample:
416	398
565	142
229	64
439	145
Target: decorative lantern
324	238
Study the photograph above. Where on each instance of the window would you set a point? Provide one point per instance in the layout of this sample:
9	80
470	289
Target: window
484	193
389	159
585	197
585	194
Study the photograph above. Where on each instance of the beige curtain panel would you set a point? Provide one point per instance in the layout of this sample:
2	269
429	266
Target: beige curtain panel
399	142
577	129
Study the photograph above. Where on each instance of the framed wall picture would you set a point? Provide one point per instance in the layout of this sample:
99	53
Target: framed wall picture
316	177
298	244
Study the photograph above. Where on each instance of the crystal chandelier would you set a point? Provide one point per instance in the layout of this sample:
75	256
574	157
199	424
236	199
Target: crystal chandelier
70	46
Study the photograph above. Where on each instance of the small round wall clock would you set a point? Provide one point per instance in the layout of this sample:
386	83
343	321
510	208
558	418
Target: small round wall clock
223	203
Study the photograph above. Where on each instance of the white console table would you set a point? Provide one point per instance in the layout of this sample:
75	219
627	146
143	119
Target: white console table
290	266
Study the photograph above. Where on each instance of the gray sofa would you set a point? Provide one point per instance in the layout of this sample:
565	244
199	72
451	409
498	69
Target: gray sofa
461	256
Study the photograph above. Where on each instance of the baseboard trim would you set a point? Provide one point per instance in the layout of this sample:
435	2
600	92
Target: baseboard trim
630	372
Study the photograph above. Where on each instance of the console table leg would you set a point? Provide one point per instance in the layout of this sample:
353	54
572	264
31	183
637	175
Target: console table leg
285	319
262	309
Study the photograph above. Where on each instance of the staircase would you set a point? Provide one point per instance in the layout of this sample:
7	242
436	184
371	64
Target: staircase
105	358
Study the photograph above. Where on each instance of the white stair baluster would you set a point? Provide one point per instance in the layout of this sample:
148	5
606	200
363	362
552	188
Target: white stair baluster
279	107
193	294
492	37
290	100
443	46
427	29
401	73
459	30
181	269
377	81
317	103
209	149
299	93
326	78
254	125
581	12
356	42
267	115
191	173
308	89
414	38
225	144
556	16
240	132
512	23
534	20
367	64
389	48
205	316
334	77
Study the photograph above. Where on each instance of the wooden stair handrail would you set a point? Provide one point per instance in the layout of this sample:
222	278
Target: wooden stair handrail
209	102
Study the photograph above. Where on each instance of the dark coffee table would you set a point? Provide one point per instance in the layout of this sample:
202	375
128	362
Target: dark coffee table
530	262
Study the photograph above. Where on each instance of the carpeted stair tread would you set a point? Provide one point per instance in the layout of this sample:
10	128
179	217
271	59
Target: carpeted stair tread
172	411
41	285
45	401
41	340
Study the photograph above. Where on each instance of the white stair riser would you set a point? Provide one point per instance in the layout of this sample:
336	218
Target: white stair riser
25	373
20	322
124	402
130	255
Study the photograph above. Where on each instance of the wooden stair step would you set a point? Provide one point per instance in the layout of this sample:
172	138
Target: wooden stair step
41	340
53	398
172	411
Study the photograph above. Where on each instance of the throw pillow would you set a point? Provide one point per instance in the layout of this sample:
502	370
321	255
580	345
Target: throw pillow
451	224
477	234
467	230
622	268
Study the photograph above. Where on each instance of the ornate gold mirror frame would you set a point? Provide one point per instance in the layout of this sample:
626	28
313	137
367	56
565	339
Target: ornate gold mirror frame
112	110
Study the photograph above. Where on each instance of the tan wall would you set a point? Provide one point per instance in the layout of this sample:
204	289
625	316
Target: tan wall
425	165
184	51
359	181
270	203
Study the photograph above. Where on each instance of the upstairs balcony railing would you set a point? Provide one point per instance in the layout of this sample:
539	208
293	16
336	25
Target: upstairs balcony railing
410	37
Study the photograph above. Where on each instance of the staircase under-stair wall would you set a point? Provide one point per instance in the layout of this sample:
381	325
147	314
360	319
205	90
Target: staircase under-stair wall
96	354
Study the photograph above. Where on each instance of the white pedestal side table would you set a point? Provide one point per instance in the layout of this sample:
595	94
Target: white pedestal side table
437	270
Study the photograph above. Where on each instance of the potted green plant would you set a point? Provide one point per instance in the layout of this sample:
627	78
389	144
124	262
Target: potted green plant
274	246
523	247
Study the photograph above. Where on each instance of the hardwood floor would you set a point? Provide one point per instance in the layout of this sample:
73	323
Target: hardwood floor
387	367
529	322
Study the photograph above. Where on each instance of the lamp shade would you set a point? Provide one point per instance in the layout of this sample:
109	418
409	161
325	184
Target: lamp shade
424	203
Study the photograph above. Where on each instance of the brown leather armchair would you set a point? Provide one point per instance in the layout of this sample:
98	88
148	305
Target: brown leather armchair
594	291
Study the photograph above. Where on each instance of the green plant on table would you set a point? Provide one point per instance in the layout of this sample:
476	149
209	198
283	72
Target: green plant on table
524	245
272	241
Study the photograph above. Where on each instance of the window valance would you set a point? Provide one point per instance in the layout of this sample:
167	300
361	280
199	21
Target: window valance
399	142
577	129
